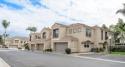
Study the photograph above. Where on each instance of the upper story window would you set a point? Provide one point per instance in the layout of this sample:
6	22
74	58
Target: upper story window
79	29
88	32
74	30
30	38
21	41
86	45
101	34
55	33
106	36
44	34
70	31
16	41
38	37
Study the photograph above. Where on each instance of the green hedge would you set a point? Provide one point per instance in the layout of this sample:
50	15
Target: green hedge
117	48
120	43
48	50
97	50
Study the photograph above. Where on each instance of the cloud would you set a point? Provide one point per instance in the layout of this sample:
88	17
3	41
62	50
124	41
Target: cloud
44	13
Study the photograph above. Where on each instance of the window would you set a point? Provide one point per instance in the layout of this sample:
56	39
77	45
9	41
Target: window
101	34
24	41
79	29
86	45
38	37
106	36
74	30
70	31
44	34
16	41
55	33
88	32
21	41
30	38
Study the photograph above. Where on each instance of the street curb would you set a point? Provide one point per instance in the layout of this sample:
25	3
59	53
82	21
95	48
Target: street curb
3	63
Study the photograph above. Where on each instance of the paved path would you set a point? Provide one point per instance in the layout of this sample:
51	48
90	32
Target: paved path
20	58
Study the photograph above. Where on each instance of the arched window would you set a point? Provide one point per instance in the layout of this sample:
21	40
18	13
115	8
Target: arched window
44	34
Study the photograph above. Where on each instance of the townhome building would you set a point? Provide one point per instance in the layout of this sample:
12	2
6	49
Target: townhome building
15	42
41	41
78	37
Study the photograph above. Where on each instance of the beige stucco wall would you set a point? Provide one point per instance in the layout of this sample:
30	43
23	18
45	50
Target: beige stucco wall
73	45
81	36
48	33
62	31
47	45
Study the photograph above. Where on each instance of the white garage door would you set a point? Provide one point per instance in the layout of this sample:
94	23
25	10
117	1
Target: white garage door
32	46
61	46
40	47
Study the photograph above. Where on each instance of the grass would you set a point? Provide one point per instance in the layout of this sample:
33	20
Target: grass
120	53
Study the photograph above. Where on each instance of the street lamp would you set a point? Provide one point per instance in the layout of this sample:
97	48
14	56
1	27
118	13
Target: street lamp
110	37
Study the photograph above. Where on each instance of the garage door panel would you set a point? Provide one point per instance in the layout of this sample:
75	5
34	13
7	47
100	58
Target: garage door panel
60	47
32	46
40	47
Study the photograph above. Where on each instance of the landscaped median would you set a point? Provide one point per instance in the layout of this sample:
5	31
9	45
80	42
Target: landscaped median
3	63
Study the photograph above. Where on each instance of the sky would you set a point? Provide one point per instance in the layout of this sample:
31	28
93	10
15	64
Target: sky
44	13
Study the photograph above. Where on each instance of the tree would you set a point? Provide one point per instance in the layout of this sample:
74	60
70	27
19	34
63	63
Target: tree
104	26
26	45
32	29
5	25
1	39
120	27
122	11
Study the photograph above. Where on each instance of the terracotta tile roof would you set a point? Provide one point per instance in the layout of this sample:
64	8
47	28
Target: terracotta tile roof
79	24
69	38
21	38
40	41
60	25
76	24
46	28
37	34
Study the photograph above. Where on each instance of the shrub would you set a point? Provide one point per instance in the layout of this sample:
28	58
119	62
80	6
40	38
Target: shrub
101	49
118	48
68	51
51	50
19	48
48	50
97	50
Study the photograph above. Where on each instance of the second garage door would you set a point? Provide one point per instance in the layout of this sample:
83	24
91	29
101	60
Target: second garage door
61	46
40	47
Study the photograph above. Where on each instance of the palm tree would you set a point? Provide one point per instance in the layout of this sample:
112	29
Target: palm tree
122	11
32	29
120	27
5	24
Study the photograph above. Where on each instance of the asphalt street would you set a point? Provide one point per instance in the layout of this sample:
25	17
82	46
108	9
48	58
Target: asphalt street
18	58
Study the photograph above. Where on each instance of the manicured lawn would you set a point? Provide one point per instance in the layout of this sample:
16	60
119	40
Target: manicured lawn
121	53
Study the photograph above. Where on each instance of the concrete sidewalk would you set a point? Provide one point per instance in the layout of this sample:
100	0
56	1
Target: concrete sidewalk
3	63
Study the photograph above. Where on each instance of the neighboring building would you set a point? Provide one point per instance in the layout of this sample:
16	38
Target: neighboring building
15	42
79	37
41	41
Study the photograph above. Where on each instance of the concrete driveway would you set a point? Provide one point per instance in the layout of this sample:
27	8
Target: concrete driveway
18	58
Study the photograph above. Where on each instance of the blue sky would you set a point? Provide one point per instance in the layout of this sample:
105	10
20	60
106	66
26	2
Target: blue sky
44	13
